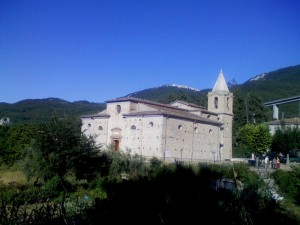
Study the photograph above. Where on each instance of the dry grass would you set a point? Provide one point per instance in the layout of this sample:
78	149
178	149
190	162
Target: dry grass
10	177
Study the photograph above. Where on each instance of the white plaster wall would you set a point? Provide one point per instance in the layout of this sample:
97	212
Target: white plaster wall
91	126
192	141
146	138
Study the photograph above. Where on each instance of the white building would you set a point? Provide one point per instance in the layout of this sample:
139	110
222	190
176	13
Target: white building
291	123
176	131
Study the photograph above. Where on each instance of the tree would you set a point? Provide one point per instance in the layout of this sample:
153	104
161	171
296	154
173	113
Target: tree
248	109
286	139
59	149
3	144
254	138
13	140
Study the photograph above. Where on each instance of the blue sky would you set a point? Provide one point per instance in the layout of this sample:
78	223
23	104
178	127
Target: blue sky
97	50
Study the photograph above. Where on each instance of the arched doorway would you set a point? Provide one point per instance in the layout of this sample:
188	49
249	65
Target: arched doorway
116	138
116	144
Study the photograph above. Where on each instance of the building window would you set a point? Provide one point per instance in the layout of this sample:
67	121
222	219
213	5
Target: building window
151	124
179	127
133	127
89	125
216	102
227	102
100	128
118	108
196	129
210	131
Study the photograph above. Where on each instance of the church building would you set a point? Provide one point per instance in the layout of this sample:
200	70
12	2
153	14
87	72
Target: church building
178	131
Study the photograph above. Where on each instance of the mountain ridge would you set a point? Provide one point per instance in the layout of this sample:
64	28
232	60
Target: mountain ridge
277	84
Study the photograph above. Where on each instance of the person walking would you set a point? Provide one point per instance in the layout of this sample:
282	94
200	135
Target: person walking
274	163
277	163
266	162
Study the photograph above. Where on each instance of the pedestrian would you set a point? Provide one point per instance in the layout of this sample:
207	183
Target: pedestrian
277	163
266	162
274	163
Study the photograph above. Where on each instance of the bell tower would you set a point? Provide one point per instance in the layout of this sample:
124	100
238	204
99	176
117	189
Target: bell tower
220	101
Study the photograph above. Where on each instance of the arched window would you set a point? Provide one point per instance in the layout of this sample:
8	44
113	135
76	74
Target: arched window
100	128
133	127
216	102
118	108
179	127
227	102
151	124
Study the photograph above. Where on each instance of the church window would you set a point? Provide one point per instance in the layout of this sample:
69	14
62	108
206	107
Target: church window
151	124
210	131
227	102
196	129
89	125
179	127
118	108
216	102
100	128
133	127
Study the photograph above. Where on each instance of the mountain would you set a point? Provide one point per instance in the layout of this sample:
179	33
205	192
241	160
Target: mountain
42	110
282	83
273	85
278	84
169	93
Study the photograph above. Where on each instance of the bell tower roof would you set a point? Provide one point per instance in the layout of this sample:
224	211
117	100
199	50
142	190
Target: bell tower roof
220	84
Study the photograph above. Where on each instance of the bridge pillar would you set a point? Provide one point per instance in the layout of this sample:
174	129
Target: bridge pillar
275	112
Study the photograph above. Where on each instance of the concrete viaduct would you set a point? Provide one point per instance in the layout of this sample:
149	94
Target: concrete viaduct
275	104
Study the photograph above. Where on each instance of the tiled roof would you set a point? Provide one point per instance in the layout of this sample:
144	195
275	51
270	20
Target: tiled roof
188	104
160	109
148	102
95	115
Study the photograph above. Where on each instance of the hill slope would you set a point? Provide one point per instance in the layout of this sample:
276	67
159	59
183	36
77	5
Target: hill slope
281	83
42	110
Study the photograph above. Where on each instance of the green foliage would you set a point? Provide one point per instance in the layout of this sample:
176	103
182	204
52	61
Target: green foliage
254	138
286	139
289	183
127	166
14	140
12	213
171	194
59	149
248	109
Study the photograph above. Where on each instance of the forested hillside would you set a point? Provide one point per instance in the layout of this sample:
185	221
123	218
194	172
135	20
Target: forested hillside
42	110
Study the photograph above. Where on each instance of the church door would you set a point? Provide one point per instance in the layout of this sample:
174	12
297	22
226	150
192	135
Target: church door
116	145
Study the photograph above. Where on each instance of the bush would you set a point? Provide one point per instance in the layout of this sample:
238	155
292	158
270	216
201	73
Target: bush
289	183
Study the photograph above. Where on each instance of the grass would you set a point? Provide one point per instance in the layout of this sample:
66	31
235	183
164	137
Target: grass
13	177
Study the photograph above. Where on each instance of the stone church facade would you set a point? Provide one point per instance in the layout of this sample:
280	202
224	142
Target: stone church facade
177	131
